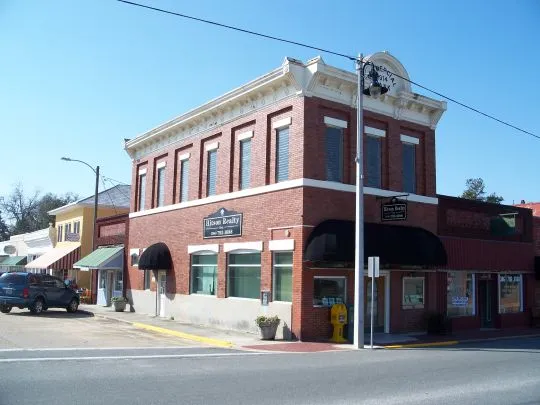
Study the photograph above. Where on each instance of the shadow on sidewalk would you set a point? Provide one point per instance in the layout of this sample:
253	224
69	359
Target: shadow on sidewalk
54	313
517	344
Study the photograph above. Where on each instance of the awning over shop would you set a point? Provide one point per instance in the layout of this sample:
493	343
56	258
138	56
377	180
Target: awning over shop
333	241
59	258
156	257
14	261
103	258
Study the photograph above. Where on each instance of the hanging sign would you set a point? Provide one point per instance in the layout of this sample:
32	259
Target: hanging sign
222	224
394	211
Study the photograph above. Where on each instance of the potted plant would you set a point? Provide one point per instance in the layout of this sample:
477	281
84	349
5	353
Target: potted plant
119	303
268	326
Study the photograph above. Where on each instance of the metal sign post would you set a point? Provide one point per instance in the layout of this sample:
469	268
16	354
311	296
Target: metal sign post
373	272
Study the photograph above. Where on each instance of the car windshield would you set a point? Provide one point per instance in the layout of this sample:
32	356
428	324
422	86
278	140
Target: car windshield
12	278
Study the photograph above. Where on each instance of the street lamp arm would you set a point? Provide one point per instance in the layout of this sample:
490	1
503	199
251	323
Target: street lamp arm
80	161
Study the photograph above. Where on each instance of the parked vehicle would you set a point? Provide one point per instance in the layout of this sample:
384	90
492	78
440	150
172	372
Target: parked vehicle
37	292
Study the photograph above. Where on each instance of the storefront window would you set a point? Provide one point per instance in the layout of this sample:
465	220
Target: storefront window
328	291
413	292
102	278
510	293
204	274
283	276
244	275
460	294
119	281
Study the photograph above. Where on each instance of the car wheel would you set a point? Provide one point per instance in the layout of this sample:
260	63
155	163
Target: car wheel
73	306
37	306
5	309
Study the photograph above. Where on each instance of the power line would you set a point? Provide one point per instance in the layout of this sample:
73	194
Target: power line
116	181
354	58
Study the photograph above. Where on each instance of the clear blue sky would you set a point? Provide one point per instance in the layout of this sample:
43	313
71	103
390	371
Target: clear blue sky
77	77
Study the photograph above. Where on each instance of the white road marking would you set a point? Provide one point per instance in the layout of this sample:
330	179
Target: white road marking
133	357
60	349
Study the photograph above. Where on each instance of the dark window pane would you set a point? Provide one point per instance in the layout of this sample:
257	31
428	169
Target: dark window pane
282	155
373	162
409	168
334	154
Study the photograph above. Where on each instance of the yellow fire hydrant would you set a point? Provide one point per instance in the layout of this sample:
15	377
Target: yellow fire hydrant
338	318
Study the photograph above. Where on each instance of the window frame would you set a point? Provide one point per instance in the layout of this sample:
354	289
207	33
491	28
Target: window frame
413	173
473	293
118	277
243	252
141	200
369	175
285	163
191	275
134	252
340	152
184	185
60	231
499	291
274	266
405	305
330	278
160	185
67	229
245	171
211	184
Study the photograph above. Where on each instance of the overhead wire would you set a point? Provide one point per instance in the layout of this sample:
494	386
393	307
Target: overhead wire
328	51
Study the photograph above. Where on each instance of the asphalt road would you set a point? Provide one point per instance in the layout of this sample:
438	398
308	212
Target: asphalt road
498	372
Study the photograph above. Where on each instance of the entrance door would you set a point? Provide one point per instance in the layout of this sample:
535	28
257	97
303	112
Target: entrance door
378	304
487	293
162	287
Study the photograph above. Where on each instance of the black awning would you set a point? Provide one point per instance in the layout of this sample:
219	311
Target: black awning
332	241
537	267
156	257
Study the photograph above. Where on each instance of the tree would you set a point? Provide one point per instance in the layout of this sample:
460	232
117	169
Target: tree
475	189
4	230
29	213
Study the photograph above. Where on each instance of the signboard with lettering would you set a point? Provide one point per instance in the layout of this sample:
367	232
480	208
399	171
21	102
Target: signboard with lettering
222	224
394	211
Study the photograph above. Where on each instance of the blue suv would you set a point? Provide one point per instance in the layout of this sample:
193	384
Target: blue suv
37	292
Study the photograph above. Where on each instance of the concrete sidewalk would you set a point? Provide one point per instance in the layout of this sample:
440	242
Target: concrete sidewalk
248	341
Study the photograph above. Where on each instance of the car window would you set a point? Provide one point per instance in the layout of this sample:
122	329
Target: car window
33	280
13	278
59	283
48	281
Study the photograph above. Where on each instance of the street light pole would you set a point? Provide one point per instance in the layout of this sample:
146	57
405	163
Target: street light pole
96	191
375	90
359	219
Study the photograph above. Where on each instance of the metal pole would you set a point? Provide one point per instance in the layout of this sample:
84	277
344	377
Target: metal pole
372	297
95	210
359	228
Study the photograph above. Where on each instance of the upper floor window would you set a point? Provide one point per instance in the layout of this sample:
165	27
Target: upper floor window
373	157
245	163
184	180
77	227
211	173
334	148
282	154
142	189
160	191
67	230
60	232
409	163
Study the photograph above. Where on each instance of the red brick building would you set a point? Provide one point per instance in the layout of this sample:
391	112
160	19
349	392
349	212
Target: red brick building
246	204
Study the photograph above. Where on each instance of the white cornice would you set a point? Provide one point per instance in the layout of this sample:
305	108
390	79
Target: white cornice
293	79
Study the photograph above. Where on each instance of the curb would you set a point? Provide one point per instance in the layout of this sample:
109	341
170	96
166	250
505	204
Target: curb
456	342
170	332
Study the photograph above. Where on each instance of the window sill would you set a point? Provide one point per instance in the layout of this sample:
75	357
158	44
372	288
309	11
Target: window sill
407	307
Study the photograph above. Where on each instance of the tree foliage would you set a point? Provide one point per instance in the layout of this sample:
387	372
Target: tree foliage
4	230
475	189
28	213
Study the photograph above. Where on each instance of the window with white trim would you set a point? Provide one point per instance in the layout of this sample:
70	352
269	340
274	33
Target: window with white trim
409	167
282	276
245	163
67	230
204	273
244	275
118	281
460	297
413	292
328	291
134	257
142	191
510	293
211	173
282	154
373	157
77	227
60	230
334	154
160	190
184	180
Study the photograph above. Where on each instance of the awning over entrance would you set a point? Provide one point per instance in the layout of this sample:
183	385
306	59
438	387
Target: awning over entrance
59	258
332	241
156	257
14	261
103	258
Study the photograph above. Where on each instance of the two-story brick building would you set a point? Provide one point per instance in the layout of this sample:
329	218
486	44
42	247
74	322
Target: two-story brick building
253	192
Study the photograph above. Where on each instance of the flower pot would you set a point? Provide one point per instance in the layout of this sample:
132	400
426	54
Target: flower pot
119	306
268	332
